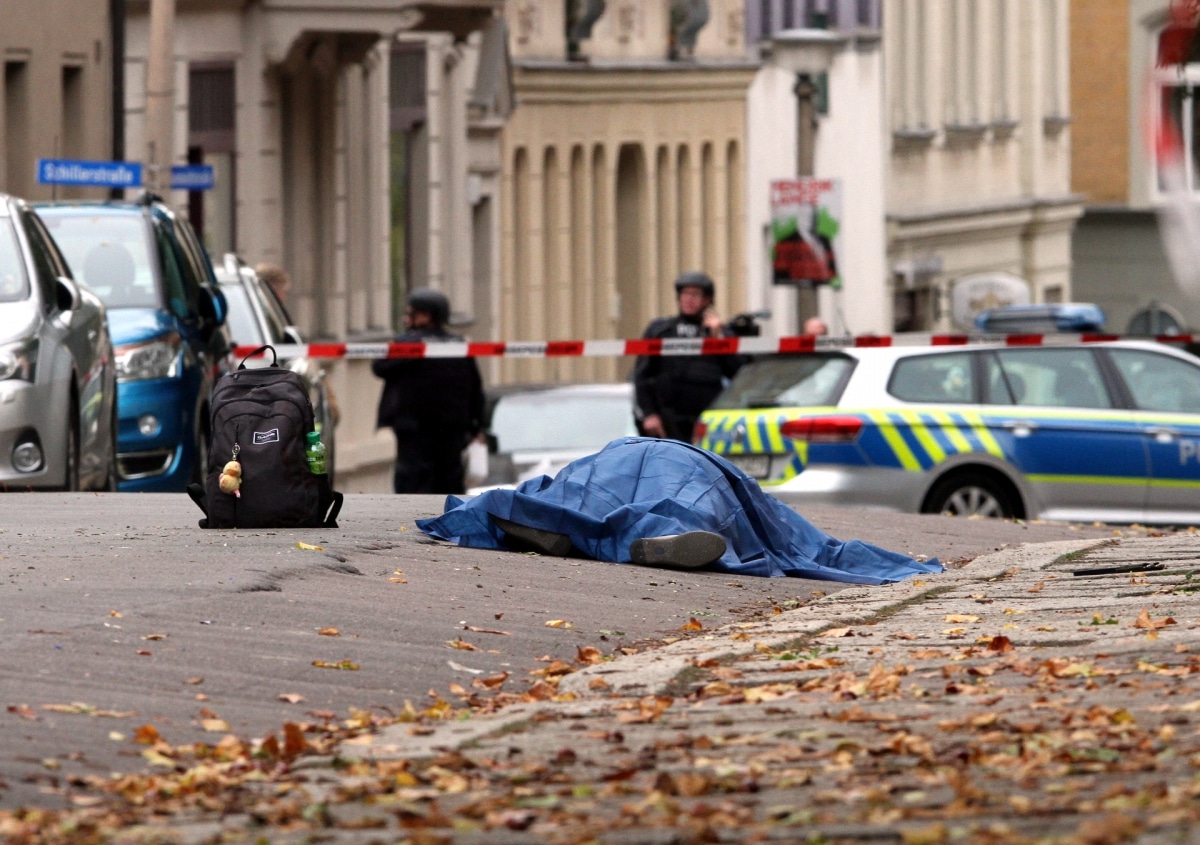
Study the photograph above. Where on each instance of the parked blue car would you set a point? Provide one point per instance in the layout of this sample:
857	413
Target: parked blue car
167	321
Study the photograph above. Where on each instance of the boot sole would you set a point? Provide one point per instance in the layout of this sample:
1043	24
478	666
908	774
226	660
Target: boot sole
691	550
532	539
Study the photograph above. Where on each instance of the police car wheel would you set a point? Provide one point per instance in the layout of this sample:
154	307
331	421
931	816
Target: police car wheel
971	495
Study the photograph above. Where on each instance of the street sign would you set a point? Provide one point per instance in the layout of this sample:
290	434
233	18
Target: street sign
193	177
106	174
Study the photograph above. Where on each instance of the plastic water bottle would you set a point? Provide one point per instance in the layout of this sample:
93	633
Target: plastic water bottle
315	452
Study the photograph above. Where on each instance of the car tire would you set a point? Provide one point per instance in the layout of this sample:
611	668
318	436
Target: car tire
113	474
71	455
971	494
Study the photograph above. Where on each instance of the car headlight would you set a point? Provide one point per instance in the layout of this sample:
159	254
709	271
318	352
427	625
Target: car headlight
157	358
19	360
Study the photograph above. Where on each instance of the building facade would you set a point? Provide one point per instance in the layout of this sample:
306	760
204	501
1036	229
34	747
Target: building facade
624	165
946	123
1118	82
980	207
354	144
58	94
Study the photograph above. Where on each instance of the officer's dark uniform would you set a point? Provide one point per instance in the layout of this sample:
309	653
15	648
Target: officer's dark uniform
435	408
679	387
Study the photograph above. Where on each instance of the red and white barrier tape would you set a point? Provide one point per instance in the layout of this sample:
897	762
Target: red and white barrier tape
676	346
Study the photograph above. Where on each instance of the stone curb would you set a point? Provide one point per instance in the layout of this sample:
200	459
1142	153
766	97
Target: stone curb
649	673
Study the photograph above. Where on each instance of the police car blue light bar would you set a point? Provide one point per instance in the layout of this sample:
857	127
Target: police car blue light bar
1051	317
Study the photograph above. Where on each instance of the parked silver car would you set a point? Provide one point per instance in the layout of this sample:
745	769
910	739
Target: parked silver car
257	317
58	393
538	430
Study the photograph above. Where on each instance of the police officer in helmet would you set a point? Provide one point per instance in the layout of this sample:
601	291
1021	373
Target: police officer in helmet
672	391
433	405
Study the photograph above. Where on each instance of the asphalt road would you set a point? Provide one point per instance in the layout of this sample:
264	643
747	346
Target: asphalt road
117	611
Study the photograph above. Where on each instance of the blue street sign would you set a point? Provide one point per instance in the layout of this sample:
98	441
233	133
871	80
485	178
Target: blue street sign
107	174
193	177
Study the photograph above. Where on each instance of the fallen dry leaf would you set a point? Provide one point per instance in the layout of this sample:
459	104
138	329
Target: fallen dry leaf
344	664
146	735
1144	620
486	630
329	632
1000	645
833	633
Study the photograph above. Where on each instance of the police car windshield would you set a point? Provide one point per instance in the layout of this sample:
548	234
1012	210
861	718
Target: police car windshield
787	381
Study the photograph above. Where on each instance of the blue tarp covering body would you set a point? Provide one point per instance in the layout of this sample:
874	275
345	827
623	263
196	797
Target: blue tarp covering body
642	487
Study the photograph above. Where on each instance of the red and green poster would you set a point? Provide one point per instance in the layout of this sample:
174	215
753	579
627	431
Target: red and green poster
806	216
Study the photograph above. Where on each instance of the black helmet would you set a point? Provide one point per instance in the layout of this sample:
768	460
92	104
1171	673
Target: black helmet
433	303
695	279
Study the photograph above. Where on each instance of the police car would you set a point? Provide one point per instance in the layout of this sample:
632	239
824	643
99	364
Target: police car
1069	431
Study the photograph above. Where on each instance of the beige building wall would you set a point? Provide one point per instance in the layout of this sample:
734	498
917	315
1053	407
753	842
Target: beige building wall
979	125
620	172
56	99
1101	111
313	170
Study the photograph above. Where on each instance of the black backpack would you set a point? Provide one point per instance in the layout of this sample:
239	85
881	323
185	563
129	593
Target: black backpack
259	419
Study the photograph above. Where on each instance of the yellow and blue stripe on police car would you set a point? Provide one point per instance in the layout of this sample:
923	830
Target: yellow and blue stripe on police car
1068	444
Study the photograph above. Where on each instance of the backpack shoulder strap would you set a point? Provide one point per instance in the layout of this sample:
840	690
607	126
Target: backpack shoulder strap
335	508
197	493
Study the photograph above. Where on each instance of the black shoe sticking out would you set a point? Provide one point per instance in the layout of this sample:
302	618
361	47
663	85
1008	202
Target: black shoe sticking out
524	538
690	550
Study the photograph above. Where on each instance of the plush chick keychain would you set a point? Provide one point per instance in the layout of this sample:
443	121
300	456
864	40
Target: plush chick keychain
231	479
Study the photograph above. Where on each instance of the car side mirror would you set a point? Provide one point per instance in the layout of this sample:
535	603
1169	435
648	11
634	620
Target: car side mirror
292	335
66	294
213	306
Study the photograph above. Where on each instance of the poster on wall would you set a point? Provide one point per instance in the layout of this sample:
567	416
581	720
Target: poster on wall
806	219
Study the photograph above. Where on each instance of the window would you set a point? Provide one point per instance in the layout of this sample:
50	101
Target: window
764	18
1049	378
938	379
1178	74
1159	382
109	254
46	258
212	109
17	110
174	277
788	381
13	285
1178	105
